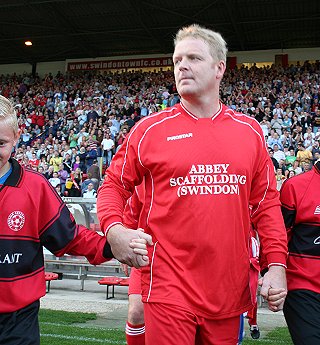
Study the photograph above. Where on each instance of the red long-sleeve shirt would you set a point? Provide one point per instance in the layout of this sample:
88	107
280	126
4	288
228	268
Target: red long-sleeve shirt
32	215
200	175
300	200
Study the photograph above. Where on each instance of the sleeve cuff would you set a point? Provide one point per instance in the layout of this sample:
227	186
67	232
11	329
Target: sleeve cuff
107	252
277	259
276	264
110	226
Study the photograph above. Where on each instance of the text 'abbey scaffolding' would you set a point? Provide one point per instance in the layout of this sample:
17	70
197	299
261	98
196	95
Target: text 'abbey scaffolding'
204	179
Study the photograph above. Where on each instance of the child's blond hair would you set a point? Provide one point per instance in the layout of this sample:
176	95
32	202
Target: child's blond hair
8	114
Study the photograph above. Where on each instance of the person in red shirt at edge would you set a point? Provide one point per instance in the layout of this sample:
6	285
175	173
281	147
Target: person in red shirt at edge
33	216
196	208
300	199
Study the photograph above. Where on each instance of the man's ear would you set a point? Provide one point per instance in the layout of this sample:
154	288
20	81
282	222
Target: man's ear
16	137
221	69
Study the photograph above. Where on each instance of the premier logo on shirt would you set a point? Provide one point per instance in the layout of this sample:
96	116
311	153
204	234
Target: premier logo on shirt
16	220
204	179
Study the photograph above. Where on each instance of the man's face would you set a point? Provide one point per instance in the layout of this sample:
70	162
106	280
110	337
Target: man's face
196	73
8	140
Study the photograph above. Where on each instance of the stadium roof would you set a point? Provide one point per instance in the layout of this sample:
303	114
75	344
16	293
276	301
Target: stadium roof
62	29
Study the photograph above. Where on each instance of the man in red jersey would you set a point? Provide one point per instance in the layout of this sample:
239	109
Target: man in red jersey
197	197
300	200
33	216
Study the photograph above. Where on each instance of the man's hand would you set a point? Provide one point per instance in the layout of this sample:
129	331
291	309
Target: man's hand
274	287
129	246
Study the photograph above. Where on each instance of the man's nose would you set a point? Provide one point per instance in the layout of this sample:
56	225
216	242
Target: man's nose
183	64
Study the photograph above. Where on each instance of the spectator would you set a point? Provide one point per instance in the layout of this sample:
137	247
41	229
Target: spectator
122	135
306	167
94	171
58	190
67	163
265	125
113	129
90	193
91	156
73	186
55	180
316	157
296	168
25	137
77	163
277	124
303	155
278	111
85	183
82	157
290	158
82	136
278	154
280	178
286	138
274	161
49	172
56	160
107	145
73	139
34	161
283	167
287	123
92	115
274	140
291	173
63	175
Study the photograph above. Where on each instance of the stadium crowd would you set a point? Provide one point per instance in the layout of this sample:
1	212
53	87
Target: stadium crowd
69	121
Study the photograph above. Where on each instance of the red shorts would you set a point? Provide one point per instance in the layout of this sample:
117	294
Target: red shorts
168	324
135	282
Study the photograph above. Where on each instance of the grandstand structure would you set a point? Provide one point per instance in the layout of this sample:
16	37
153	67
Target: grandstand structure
63	30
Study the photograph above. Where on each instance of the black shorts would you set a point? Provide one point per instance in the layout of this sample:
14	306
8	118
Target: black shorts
302	312
20	327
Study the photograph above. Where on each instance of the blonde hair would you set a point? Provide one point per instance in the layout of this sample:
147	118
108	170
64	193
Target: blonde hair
8	114
216	43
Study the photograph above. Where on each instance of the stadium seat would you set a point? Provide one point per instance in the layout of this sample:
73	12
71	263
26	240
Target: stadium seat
49	276
112	281
124	282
